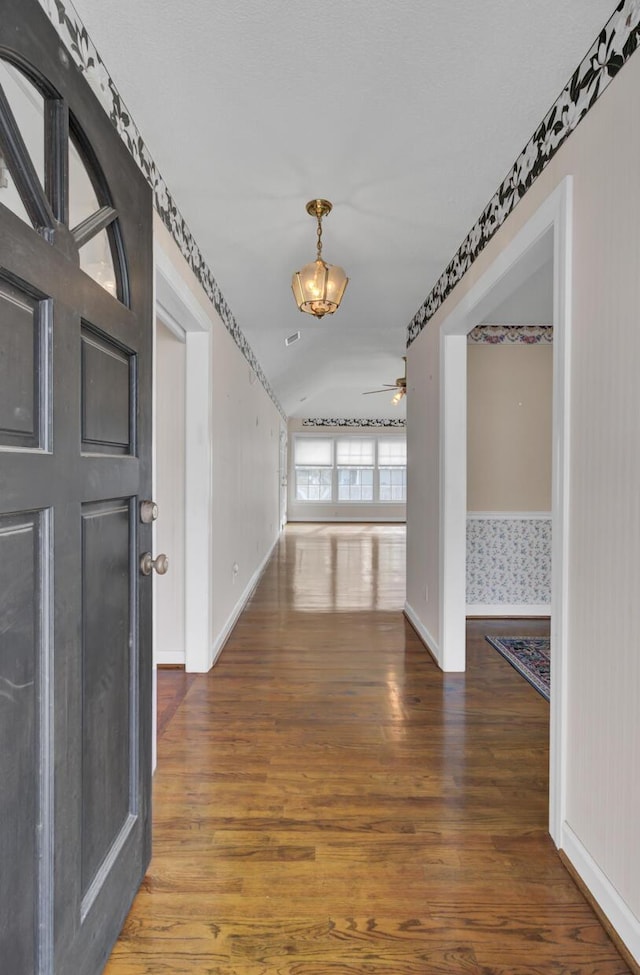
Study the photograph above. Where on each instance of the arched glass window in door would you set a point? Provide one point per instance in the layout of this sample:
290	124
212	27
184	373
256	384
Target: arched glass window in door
93	222
51	179
27	104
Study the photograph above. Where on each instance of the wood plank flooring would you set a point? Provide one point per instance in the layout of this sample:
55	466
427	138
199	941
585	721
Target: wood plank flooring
327	802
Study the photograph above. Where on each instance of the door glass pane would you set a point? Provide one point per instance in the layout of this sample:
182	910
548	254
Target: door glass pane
96	260
9	195
82	196
27	105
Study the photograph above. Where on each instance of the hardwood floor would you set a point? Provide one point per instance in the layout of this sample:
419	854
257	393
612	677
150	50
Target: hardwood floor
327	802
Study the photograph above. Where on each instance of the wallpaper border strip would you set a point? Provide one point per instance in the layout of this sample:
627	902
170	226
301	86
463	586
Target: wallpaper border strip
74	36
344	422
511	335
613	47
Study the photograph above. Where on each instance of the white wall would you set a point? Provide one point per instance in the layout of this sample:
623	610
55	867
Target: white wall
240	438
600	832
423	487
245	478
170	495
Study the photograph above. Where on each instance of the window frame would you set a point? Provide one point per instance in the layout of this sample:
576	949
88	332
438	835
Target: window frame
335	468
389	465
44	197
313	467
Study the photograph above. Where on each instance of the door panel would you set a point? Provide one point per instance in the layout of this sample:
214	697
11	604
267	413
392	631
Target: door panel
75	612
107	378
106	681
22	356
21	686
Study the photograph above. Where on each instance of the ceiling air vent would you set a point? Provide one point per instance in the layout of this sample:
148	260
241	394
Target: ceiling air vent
290	339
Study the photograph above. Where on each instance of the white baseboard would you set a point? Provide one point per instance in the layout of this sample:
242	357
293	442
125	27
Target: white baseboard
225	633
169	658
423	632
508	609
508	516
348	519
624	922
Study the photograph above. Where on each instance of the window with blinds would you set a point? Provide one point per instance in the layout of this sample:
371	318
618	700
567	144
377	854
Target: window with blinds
392	453
355	452
364	470
392	470
355	461
313	458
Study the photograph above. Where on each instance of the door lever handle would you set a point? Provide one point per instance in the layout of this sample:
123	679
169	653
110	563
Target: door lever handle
148	564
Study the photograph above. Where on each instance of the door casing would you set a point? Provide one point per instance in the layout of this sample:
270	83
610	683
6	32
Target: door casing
552	223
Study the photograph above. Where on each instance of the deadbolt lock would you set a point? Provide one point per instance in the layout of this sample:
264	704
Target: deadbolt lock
148	512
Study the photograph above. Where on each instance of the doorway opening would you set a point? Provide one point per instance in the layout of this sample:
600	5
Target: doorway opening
546	236
180	313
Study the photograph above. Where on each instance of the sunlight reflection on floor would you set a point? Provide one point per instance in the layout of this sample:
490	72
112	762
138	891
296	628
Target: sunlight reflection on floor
338	567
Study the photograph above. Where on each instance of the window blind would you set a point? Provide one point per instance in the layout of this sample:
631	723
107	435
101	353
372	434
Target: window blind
355	452
392	453
313	452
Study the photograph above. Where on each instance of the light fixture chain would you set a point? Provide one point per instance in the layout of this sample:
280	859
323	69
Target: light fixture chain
319	232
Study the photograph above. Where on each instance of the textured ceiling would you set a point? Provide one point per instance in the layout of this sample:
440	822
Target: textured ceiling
406	114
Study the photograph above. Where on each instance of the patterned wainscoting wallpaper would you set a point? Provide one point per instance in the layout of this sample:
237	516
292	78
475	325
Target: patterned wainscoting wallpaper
73	35
511	335
508	559
612	48
343	422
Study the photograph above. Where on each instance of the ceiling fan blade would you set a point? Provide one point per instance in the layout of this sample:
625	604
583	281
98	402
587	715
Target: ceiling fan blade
400	386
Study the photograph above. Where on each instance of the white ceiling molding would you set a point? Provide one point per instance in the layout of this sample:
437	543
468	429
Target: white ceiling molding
609	52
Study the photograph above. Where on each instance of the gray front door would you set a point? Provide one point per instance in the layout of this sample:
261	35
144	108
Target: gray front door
75	435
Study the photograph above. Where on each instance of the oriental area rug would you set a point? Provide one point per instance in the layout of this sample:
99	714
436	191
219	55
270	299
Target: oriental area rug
530	657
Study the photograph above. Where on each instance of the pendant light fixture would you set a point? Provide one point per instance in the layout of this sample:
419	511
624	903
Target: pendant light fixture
318	287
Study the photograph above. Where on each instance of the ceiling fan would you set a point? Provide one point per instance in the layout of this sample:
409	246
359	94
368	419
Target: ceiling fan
400	386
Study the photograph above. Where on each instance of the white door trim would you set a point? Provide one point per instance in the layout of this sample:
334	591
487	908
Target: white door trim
552	220
180	311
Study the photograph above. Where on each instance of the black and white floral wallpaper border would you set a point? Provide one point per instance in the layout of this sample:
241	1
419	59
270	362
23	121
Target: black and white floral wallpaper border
614	46
511	335
74	36
343	422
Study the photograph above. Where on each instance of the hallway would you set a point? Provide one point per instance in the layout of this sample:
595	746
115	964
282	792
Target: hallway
327	801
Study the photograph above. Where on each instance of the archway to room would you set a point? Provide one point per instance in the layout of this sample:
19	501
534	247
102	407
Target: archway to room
509	427
545	237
